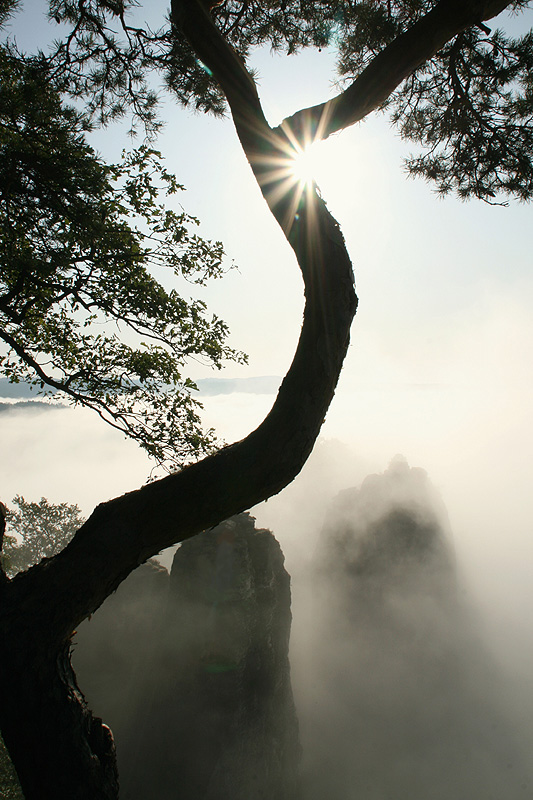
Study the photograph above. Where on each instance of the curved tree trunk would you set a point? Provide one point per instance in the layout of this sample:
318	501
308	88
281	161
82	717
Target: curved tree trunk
59	750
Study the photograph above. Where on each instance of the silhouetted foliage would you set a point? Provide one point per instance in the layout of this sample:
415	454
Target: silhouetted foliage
36	531
469	107
79	243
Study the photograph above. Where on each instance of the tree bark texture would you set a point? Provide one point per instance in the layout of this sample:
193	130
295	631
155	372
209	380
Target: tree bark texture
58	749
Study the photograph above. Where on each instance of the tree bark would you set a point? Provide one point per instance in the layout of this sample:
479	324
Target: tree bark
58	749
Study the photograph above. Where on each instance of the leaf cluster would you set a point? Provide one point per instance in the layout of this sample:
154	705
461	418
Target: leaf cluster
80	309
109	55
106	59
367	27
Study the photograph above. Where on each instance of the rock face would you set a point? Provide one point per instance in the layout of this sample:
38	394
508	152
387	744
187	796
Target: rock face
388	537
400	698
219	722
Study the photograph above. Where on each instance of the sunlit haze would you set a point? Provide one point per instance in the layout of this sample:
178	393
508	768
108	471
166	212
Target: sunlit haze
317	161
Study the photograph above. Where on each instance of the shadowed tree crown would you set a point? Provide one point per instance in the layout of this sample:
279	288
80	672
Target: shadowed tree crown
36	531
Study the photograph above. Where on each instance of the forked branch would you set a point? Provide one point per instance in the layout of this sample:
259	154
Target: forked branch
126	531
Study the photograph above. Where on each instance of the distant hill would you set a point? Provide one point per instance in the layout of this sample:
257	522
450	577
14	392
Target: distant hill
264	384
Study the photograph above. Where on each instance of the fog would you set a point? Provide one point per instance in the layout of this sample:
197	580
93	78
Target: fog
371	727
400	690
410	647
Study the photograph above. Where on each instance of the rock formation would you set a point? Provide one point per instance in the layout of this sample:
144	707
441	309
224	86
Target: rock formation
219	721
400	698
387	537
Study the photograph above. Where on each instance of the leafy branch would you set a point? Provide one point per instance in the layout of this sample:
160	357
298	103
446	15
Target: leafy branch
81	313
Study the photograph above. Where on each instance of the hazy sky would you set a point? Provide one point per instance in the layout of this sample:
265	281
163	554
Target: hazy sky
440	363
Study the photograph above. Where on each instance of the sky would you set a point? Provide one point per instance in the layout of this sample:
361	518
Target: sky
439	368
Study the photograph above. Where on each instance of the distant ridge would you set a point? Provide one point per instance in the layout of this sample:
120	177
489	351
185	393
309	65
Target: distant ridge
263	384
29	405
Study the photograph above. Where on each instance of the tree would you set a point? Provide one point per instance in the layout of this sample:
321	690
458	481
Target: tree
37	531
451	84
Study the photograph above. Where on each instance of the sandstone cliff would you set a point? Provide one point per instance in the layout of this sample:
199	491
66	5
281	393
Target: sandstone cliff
219	721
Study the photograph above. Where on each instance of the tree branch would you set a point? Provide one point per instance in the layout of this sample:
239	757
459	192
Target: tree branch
389	68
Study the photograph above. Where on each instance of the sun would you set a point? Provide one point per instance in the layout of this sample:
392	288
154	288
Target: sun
307	164
303	170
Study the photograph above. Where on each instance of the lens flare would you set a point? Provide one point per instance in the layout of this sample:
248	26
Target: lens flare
307	164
